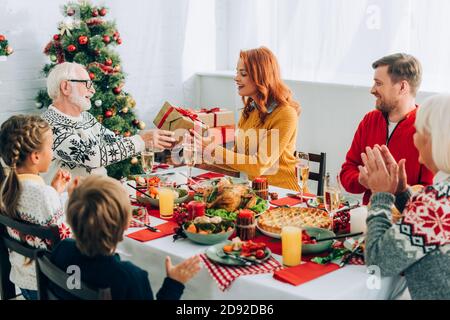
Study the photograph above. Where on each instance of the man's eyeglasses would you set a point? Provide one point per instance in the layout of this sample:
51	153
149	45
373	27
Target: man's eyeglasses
88	83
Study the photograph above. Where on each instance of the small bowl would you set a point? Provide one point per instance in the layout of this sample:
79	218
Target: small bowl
319	247
208	239
183	196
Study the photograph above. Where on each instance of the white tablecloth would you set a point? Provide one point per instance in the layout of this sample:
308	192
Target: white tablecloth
349	282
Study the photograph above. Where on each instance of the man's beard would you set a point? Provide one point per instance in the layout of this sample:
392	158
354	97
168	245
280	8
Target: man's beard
83	103
385	107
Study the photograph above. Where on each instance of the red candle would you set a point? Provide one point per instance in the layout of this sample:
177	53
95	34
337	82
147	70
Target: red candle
196	209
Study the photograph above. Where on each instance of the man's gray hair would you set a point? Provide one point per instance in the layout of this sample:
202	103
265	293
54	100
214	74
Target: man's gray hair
59	73
433	118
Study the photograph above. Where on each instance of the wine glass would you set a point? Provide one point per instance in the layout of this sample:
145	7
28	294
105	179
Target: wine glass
148	158
302	171
189	153
332	195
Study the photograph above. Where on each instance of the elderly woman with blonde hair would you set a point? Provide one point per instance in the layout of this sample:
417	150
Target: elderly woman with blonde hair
419	244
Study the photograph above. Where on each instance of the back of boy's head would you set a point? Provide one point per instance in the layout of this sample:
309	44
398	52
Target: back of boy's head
98	212
20	135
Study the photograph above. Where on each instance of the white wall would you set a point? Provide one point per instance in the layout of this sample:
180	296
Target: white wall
330	112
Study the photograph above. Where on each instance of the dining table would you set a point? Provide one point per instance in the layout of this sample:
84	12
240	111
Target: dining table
348	282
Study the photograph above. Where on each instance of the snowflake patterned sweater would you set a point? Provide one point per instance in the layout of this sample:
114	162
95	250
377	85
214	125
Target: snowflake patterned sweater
39	204
83	146
419	245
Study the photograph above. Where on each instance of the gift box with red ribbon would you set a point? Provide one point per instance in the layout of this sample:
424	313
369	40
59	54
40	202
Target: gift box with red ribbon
172	118
216	117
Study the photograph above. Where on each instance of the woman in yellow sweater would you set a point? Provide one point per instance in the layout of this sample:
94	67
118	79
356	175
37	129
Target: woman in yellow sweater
267	130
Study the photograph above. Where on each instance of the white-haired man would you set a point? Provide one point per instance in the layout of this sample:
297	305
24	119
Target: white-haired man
81	144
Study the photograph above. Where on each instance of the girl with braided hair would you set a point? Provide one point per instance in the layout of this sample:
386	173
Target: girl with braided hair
26	150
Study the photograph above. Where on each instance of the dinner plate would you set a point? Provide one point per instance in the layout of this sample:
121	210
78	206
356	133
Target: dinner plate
269	234
345	201
213	254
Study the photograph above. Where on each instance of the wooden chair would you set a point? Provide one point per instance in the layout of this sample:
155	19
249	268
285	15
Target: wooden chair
50	233
49	274
319	176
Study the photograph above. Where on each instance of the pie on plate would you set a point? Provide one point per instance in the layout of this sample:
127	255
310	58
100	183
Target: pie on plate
272	221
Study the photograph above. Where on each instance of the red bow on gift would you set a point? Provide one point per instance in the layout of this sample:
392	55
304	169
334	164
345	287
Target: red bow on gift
187	113
213	110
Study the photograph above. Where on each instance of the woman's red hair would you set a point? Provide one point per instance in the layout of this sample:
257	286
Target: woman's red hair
263	69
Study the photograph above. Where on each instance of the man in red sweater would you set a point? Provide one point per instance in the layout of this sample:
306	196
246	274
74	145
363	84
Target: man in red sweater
396	82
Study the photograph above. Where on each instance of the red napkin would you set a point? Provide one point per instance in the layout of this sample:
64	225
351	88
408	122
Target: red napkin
207	176
303	273
147	235
160	166
288	201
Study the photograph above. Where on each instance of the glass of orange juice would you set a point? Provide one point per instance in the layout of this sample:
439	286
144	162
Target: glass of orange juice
166	200
291	243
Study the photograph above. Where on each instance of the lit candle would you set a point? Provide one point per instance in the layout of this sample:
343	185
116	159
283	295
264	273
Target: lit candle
291	244
358	218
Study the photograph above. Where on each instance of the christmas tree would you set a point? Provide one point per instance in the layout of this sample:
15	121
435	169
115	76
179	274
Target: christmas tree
86	38
5	49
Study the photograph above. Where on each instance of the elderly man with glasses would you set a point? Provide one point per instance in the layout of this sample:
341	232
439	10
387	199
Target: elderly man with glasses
81	144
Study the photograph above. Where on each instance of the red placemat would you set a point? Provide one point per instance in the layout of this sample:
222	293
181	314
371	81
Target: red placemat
303	273
225	275
287	201
208	176
147	235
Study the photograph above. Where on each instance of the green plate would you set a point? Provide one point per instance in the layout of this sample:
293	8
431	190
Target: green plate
208	239
213	253
319	247
318	202
183	196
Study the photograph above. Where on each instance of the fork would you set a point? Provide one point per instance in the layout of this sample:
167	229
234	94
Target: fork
223	255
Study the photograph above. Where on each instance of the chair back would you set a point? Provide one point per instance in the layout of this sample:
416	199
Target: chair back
49	274
319	175
7	243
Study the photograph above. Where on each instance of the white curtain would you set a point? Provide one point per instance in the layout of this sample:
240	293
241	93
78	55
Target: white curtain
337	40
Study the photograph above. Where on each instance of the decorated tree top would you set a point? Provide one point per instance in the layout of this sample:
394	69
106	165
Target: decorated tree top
5	48
85	37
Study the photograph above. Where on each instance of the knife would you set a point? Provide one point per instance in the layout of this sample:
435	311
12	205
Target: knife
297	196
146	225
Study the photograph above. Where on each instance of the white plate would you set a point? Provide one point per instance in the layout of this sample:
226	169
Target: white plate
269	234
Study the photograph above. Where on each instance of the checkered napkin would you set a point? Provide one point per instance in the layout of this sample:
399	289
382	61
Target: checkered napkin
225	275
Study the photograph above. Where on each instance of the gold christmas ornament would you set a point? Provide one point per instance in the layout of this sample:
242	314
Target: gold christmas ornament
142	125
125	110
134	161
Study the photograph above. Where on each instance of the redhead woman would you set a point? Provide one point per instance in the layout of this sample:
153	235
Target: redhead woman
267	129
419	244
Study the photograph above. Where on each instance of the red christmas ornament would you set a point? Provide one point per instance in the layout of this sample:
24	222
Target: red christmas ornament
127	134
106	39
108	113
71	48
116	35
103	12
108	62
2	38
95	13
119	41
92	75
56	37
135	122
83	40
117	90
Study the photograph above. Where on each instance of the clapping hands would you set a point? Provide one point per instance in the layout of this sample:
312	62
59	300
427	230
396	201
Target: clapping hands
381	173
60	180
